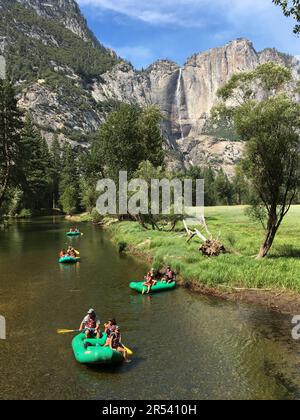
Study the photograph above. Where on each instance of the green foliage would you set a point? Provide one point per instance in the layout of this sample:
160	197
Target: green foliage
257	212
96	217
208	175
270	126
69	181
272	76
279	271
10	138
29	58
242	87
69	200
150	134
223	188
14	201
88	195
129	136
240	84
35	168
24	214
272	152
290	9
148	172
55	169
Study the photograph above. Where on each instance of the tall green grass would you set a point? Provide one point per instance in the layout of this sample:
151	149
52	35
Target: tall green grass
280	270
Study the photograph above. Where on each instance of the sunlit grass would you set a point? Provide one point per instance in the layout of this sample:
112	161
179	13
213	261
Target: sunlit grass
280	270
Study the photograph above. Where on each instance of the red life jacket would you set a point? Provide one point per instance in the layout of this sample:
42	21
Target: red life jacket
91	323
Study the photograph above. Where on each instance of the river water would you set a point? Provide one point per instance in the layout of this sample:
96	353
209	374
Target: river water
186	346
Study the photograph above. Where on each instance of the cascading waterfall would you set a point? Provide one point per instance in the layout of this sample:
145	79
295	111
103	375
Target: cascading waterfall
178	101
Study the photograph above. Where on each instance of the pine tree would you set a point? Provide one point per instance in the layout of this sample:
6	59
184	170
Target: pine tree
69	183
10	145
56	167
150	134
209	187
35	168
223	188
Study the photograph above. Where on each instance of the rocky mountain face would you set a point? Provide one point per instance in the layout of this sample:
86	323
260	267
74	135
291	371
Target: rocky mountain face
66	12
53	59
186	96
70	97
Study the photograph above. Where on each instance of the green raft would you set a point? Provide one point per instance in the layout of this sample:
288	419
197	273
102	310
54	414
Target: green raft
73	234
96	354
159	287
68	260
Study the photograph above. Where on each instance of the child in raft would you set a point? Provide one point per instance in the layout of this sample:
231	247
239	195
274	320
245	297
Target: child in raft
116	344
110	326
72	252
169	276
62	253
150	281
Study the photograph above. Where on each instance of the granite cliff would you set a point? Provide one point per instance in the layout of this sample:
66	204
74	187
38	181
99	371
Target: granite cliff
72	84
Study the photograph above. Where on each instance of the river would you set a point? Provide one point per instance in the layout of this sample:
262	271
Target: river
186	346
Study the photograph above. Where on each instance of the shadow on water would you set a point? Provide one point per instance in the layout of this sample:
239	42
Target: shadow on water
119	368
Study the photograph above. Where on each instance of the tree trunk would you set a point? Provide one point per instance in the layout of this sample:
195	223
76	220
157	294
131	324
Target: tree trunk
268	242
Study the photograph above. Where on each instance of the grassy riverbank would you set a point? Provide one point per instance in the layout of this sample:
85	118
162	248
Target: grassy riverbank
280	271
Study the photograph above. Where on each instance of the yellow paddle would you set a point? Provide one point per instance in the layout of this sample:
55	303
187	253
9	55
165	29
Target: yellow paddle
129	352
67	331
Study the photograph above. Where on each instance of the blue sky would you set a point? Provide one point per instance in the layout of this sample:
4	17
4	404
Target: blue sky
143	31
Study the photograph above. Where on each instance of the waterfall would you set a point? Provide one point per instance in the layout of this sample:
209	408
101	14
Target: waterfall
178	101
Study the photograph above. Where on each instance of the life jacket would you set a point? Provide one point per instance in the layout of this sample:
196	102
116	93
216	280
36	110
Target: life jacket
150	277
110	330
115	337
91	323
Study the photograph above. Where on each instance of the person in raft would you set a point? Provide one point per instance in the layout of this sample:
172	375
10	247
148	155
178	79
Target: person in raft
91	325
116	344
150	280
169	276
72	252
62	253
110	328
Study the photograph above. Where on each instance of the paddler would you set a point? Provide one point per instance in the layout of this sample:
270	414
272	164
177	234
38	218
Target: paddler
91	325
169	276
150	280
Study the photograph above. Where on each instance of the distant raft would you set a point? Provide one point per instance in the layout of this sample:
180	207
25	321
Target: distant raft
71	234
69	260
159	287
91	351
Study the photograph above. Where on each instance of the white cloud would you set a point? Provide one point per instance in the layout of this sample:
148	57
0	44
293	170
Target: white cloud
212	20
182	12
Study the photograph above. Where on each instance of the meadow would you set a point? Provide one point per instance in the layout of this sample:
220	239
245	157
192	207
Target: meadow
237	268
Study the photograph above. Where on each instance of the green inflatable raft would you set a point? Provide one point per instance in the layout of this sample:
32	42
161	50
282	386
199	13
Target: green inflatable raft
96	354
159	287
68	260
73	234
